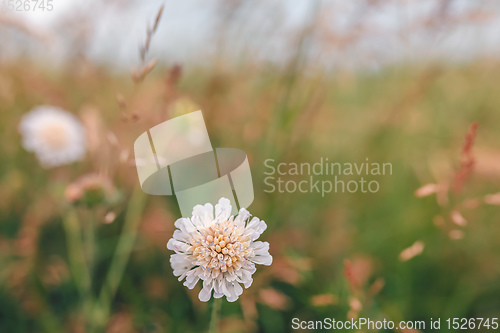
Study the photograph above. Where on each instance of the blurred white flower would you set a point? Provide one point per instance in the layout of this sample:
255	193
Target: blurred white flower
220	250
54	135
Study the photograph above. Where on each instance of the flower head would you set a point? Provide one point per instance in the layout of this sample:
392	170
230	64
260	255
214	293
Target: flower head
54	135
219	249
91	189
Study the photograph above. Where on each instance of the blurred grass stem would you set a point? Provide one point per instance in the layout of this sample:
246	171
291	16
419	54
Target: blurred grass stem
123	250
76	256
77	261
90	242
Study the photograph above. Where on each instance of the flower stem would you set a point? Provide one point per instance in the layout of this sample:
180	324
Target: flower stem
90	242
120	259
75	248
214	320
77	261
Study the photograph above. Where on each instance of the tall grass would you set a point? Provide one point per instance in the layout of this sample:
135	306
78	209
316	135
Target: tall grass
335	256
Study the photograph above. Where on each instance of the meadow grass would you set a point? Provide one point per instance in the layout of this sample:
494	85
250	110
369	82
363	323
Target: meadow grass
330	252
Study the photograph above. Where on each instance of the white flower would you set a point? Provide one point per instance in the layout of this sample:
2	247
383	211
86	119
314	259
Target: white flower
54	135
219	249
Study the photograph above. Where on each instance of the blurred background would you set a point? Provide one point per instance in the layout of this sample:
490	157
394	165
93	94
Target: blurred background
400	82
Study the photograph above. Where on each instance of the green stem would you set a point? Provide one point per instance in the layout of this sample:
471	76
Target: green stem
76	257
90	242
214	319
78	264
90	249
120	259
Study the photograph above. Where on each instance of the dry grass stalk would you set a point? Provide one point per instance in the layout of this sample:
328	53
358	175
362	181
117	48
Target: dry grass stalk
458	219
376	287
492	199
324	300
467	162
415	93
426	190
109	217
173	77
274	299
351	277
14	22
416	249
145	68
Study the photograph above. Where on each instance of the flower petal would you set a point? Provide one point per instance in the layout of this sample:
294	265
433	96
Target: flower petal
192	277
178	247
263	260
204	213
241	218
181	264
206	292
182	236
255	228
185	225
223	210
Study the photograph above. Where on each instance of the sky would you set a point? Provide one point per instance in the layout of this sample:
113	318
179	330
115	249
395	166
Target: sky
347	33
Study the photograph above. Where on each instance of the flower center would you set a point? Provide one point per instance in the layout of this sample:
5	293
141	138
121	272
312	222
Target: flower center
54	134
221	247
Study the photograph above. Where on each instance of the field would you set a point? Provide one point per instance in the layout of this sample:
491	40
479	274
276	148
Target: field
400	253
